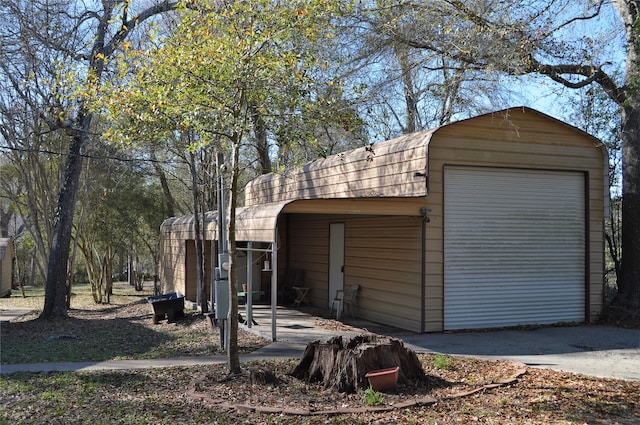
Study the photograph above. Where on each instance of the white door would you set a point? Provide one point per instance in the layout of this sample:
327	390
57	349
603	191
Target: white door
336	260
514	247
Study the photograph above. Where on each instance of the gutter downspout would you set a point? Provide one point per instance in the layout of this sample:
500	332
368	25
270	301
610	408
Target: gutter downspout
425	219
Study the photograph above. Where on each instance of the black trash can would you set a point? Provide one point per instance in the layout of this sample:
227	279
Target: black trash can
169	305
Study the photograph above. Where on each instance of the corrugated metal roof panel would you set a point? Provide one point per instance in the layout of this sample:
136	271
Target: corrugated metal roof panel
386	169
255	223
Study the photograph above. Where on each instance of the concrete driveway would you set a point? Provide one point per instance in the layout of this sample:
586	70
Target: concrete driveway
600	351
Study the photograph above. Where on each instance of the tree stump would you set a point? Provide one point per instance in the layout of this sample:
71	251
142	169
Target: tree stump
342	365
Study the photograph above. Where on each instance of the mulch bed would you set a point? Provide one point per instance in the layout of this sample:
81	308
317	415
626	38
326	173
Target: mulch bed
291	396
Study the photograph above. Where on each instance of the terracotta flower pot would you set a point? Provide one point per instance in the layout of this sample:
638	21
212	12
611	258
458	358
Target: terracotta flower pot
383	379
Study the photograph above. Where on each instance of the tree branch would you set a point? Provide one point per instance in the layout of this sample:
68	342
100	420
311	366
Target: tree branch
592	74
130	25
628	11
473	17
598	7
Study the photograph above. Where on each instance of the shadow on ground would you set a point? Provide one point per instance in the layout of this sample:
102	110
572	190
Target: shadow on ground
76	339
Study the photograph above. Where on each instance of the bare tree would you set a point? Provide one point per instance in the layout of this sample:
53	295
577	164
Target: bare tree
521	38
32	167
400	88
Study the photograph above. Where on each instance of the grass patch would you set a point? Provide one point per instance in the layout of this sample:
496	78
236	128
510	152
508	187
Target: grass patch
121	330
81	297
119	397
442	361
33	299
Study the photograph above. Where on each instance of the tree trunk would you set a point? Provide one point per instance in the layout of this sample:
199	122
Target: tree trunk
342	365
233	354
107	271
200	298
262	142
411	99
32	269
169	202
108	35
628	295
5	218
55	303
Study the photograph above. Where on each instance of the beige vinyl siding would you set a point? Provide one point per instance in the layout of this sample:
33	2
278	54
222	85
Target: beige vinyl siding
434	257
382	255
529	141
6	265
308	250
172	268
172	257
378	206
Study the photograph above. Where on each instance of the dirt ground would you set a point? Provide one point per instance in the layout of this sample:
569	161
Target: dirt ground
459	390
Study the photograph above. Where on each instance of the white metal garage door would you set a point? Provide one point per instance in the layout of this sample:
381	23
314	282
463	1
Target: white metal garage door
514	247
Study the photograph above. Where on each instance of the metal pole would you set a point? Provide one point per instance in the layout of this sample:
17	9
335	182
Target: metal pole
249	293
222	271
222	207
274	287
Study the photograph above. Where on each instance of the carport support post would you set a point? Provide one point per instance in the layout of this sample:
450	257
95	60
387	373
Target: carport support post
274	286
249	294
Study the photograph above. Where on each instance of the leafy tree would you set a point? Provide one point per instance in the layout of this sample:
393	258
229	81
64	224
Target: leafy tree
327	125
219	76
119	211
67	43
520	38
31	162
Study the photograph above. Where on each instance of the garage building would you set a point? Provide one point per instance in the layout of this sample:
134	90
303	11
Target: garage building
493	221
